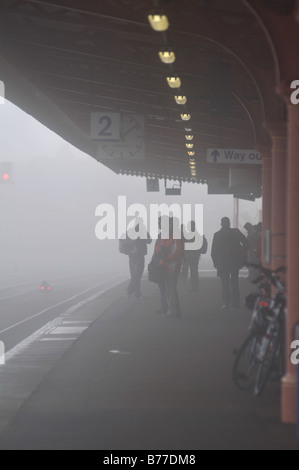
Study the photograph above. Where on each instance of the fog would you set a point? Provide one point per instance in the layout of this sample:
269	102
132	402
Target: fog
48	212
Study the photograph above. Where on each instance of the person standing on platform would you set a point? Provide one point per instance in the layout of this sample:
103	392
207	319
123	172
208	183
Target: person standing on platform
171	253
162	278
229	254
258	244
137	263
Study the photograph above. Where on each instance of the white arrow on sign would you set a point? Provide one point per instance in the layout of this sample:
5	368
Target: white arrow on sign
234	156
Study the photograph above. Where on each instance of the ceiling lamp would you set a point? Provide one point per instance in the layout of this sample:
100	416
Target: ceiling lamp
180	99
167	56
189	137
174	82
186	117
191	153
189	146
158	22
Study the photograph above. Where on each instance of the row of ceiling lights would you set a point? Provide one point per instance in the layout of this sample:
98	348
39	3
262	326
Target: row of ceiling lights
159	22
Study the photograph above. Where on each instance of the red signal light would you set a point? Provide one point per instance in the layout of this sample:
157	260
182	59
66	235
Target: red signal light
49	288
6	172
42	288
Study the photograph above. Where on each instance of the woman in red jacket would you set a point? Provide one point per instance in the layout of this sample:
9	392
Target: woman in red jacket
171	254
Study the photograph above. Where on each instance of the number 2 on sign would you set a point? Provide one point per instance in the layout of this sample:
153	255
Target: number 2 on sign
106	123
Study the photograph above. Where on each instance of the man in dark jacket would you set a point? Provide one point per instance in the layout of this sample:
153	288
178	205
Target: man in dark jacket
229	252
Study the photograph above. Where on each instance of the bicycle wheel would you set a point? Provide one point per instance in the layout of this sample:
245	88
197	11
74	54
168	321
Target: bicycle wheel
246	364
266	365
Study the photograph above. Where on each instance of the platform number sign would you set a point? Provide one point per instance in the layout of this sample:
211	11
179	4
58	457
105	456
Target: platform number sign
131	142
105	126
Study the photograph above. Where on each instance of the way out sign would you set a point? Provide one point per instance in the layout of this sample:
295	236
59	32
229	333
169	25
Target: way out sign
234	156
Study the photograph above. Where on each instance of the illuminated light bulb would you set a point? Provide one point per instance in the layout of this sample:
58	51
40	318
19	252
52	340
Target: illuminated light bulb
189	137
191	153
158	22
189	146
167	57
174	82
180	99
186	117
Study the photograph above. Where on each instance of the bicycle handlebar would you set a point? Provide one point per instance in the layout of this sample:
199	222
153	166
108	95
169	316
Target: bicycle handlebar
267	271
282	269
271	275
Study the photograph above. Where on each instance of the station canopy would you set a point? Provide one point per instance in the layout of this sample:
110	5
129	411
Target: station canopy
61	61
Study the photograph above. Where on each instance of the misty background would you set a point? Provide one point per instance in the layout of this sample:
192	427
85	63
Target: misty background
48	213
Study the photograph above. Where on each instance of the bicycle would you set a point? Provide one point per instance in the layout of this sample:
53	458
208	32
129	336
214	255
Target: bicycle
263	348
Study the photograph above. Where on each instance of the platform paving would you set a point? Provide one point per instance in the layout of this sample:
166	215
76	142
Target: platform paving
136	380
